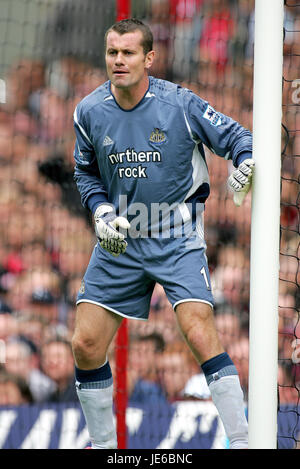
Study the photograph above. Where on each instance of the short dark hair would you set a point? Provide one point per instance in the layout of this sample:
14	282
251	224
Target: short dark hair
19	382
129	26
155	337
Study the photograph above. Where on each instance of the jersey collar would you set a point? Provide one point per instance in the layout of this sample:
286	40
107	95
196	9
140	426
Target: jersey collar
148	94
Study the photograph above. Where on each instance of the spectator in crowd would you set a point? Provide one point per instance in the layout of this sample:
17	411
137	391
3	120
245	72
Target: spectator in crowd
230	278
186	18
144	356
33	328
159	22
58	364
179	372
8	322
21	359
228	324
24	78
287	387
14	390
38	291
217	32
239	351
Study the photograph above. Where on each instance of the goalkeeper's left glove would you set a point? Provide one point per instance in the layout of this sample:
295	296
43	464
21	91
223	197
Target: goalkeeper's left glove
240	180
106	228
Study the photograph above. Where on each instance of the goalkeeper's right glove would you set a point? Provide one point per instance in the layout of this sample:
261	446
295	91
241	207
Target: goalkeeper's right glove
240	180
106	228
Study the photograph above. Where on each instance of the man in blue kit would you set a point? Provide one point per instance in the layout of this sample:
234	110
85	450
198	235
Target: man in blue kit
141	170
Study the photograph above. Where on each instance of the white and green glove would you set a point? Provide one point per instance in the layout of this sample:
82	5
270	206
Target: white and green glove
240	180
106	227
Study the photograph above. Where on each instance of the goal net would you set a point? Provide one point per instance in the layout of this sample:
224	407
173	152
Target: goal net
289	319
51	56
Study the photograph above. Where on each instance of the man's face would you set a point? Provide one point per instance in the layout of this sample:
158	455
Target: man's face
57	361
126	62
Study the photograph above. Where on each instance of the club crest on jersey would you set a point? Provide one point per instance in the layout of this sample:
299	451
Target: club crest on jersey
157	136
212	116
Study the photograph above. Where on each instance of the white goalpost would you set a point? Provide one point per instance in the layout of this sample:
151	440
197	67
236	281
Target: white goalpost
264	258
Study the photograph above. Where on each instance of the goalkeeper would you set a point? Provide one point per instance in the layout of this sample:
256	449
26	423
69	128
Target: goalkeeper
140	147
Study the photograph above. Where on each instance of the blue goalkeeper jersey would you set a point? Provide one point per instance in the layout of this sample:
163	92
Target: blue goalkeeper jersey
153	153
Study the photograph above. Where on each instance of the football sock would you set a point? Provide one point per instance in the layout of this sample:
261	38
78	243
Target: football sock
227	395
95	393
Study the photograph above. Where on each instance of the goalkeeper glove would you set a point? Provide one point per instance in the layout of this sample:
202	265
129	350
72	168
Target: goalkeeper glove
106	228
240	180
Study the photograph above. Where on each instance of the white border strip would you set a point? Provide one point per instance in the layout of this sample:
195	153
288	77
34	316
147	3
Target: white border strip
80	127
193	300
110	309
189	129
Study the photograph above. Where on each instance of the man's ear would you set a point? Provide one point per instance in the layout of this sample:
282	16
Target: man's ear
149	59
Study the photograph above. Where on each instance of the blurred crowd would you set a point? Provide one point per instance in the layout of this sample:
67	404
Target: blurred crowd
46	237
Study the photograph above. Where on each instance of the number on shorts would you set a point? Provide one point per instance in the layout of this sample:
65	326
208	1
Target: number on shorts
203	272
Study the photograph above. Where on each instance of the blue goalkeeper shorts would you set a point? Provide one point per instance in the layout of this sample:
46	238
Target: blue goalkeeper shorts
124	284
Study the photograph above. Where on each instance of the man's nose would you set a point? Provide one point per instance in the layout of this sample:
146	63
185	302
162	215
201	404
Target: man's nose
119	59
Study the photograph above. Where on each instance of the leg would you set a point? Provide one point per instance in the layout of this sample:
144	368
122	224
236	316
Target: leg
196	323
95	328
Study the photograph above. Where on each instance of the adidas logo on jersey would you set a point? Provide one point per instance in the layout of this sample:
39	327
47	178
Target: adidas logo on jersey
107	141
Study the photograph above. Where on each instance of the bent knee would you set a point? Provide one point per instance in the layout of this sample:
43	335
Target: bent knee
87	349
82	344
